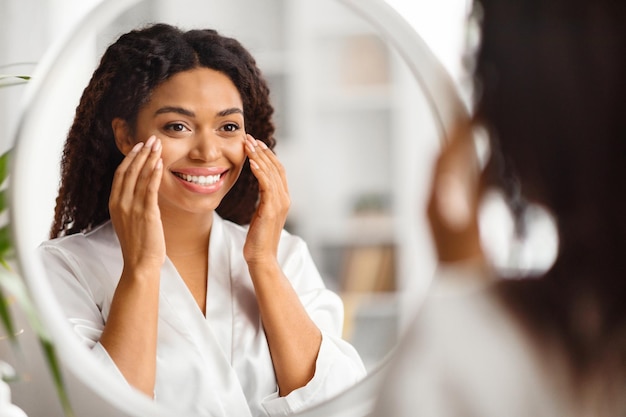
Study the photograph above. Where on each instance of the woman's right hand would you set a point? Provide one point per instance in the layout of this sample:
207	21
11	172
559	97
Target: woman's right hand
131	329
134	209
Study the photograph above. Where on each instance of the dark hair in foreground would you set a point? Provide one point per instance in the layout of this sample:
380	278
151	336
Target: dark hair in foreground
129	71
552	75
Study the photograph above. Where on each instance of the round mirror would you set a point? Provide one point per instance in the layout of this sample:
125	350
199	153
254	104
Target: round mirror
352	84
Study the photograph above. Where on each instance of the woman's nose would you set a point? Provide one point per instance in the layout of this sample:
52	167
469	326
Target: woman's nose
206	147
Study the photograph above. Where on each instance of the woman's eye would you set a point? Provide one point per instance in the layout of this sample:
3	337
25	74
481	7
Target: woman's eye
230	127
176	127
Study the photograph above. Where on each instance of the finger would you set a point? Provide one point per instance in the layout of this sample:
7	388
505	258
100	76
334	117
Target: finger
260	153
269	172
257	163
145	177
118	178
250	145
267	181
275	163
261	175
130	175
152	194
272	168
136	168
272	186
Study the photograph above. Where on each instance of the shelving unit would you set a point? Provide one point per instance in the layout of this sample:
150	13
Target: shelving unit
338	153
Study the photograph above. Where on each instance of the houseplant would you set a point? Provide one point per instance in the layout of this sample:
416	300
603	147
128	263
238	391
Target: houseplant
13	290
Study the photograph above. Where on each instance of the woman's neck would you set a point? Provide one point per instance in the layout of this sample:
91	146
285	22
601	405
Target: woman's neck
187	235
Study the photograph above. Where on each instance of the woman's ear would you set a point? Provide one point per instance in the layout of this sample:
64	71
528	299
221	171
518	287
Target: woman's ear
123	139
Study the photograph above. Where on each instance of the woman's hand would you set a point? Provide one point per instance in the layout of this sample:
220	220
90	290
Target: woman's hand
134	209
130	333
293	339
269	219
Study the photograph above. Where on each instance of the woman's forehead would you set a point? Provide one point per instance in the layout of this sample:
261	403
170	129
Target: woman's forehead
199	87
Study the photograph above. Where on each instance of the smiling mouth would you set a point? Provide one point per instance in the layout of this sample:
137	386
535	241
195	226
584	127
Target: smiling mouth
199	179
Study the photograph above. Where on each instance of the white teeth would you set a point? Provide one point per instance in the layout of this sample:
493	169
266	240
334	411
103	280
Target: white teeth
199	179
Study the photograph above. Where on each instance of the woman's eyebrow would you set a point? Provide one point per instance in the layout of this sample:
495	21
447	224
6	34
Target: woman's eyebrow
189	113
173	109
232	110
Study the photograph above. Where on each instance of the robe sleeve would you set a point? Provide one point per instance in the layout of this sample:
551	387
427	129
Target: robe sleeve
338	365
81	300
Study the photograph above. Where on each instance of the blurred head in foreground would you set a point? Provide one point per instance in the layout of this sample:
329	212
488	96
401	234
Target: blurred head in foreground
550	84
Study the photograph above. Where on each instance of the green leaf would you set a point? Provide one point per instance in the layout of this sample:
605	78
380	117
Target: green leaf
10	80
6	318
5	241
3	200
4	166
10	76
57	376
14	285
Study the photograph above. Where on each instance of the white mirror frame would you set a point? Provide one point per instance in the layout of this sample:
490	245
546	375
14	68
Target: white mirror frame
92	391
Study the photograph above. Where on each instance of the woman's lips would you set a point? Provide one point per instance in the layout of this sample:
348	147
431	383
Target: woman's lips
199	179
202	180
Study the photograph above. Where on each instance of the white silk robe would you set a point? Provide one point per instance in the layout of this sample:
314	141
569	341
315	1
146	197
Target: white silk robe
218	365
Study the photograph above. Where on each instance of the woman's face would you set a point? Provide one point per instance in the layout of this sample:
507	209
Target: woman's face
198	115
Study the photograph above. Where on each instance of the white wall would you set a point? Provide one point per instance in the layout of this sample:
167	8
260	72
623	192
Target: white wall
441	24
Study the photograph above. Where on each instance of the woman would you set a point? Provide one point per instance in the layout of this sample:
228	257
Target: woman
552	95
168	249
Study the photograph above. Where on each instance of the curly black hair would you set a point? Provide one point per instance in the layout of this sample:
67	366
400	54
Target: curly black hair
129	71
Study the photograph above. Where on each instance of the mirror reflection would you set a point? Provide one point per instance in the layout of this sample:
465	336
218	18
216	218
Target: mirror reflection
345	105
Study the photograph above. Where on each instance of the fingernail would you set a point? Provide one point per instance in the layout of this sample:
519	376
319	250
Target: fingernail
253	164
262	144
159	164
157	145
150	141
137	147
250	147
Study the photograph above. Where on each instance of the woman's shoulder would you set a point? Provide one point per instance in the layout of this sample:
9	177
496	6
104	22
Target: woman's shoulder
469	341
95	239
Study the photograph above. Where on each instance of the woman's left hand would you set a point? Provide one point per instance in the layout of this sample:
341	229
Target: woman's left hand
294	339
269	219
